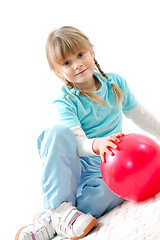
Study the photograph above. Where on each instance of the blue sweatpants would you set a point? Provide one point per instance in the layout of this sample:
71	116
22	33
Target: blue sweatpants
69	177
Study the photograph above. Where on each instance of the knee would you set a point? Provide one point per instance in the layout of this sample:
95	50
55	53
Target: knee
58	135
60	132
96	198
55	132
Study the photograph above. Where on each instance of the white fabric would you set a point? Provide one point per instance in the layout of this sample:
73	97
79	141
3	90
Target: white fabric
139	115
84	147
145	120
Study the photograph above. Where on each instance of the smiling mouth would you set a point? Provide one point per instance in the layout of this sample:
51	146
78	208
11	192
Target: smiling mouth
81	72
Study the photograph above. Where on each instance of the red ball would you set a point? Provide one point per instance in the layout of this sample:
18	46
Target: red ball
133	172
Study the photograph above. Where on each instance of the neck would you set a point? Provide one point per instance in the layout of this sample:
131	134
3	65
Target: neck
91	86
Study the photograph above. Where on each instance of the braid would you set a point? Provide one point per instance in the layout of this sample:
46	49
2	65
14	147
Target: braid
117	91
69	84
99	68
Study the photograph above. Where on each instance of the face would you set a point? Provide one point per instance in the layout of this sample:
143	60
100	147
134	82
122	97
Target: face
78	68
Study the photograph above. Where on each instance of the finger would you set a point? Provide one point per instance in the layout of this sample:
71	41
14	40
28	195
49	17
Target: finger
102	158
119	134
114	138
111	142
112	145
109	152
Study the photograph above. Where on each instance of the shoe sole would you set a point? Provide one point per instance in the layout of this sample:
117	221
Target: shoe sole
86	230
18	233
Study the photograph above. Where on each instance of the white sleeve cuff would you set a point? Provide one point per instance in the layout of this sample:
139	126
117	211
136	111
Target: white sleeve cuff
84	144
145	120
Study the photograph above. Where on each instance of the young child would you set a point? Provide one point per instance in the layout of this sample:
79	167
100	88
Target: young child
90	121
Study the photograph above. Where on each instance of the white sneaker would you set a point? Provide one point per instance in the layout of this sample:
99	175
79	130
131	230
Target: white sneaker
71	223
66	221
41	229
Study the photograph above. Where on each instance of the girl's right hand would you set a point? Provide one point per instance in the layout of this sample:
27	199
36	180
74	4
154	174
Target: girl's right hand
102	145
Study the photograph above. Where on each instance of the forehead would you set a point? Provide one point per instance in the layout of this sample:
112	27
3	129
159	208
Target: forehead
70	55
64	51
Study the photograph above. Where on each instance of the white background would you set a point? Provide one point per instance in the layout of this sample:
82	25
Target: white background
126	36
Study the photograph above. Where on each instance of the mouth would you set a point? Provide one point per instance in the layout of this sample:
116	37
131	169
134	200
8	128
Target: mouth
81	72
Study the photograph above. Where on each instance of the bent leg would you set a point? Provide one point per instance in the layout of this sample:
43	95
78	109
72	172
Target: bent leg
61	166
94	196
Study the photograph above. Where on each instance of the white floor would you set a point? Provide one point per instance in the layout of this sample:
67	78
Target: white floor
129	221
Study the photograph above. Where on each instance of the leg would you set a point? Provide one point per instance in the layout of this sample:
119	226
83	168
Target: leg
93	194
60	180
61	166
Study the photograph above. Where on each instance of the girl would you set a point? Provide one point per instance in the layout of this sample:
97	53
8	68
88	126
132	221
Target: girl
90	115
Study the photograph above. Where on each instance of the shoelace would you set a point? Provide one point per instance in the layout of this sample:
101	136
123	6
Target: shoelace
60	224
71	224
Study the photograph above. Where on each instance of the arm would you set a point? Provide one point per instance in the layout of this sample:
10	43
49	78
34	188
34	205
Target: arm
145	120
94	146
84	144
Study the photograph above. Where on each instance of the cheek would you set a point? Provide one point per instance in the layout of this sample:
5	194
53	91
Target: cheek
68	75
68	72
91	64
64	71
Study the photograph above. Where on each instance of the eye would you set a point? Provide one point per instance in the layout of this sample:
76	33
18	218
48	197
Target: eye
80	54
66	63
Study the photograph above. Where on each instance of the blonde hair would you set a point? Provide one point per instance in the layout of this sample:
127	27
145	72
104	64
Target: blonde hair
67	40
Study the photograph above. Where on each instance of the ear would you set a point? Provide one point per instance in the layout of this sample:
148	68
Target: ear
93	54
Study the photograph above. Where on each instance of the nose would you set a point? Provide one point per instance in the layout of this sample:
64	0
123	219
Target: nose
77	65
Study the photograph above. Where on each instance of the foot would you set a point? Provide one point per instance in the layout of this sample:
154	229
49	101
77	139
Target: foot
41	229
71	223
66	221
